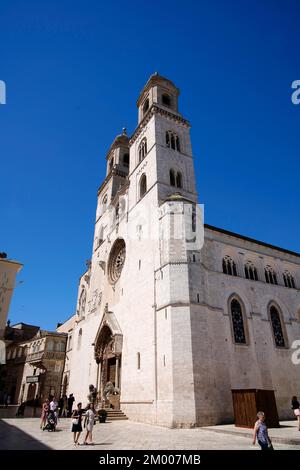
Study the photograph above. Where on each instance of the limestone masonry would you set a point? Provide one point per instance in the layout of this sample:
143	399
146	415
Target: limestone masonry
174	326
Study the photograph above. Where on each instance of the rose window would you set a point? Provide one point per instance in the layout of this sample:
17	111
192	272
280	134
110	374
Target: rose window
116	260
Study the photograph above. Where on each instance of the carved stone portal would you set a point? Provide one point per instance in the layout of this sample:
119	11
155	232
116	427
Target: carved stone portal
108	351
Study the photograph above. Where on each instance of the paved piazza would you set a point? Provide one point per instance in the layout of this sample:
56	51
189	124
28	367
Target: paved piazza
127	435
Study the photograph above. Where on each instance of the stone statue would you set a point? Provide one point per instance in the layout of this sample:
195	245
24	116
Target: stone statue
92	396
108	390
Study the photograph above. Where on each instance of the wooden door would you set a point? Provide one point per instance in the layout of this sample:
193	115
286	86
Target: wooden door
244	406
111	370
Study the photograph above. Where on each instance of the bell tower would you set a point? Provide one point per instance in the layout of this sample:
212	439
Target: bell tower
160	147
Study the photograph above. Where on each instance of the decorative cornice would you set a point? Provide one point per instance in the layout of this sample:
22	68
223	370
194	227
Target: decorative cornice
156	109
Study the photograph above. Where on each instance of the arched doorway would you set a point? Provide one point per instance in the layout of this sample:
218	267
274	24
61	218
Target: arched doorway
108	355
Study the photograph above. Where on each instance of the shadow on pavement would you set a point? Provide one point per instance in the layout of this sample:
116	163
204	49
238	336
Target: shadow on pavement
12	438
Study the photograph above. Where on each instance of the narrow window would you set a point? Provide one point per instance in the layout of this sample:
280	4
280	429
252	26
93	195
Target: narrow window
126	159
138	360
277	327
146	106
172	141
143	185
289	280
250	271
168	143
229	266
140	263
172	178
179	180
166	99
198	298
270	275
237	322
142	149
194	218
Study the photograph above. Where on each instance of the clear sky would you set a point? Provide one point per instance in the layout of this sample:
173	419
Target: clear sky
73	71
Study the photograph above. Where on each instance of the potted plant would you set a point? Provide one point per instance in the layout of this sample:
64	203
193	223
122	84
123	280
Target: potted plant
102	414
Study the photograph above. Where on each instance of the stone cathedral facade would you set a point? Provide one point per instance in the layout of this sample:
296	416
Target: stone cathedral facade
174	325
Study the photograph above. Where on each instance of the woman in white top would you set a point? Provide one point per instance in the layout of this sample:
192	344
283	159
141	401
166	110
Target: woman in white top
89	423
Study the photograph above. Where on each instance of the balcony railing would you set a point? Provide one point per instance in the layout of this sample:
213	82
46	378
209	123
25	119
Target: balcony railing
45	355
33	357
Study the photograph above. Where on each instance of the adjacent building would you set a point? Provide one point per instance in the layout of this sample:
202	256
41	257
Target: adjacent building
34	363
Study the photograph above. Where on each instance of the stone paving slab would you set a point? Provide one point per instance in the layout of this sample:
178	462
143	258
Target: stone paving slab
288	432
24	433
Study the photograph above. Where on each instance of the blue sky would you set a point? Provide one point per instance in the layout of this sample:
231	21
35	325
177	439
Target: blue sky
74	70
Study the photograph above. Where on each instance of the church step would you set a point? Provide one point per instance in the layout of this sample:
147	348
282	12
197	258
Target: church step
116	418
113	415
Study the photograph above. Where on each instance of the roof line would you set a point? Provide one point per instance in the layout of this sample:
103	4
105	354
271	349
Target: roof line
253	240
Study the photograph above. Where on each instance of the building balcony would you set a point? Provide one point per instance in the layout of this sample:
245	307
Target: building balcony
45	355
35	357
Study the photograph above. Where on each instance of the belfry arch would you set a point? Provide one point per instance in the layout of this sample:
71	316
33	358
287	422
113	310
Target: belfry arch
108	352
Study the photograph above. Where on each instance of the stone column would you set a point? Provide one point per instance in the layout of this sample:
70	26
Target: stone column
97	379
117	372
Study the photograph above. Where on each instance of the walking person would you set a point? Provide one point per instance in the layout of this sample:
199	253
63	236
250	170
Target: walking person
64	412
296	408
89	423
44	414
60	405
54	408
76	423
71	400
261	433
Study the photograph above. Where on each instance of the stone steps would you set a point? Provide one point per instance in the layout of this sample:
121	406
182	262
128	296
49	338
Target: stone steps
113	415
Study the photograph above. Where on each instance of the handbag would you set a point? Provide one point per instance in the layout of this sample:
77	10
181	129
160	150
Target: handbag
75	421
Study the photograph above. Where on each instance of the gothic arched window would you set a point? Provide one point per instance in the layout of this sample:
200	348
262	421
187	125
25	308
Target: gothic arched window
126	159
229	266
251	271
237	322
270	275
179	180
289	280
82	302
172	141
175	178
145	106
166	99
143	185
142	149
172	177
111	164
277	327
